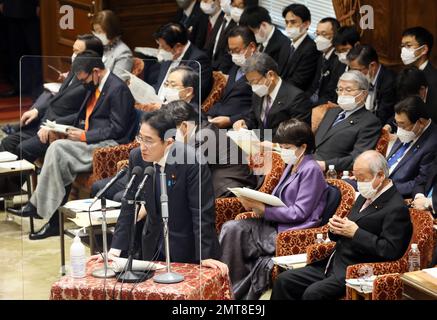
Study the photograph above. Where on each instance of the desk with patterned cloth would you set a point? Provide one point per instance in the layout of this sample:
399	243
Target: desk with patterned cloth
199	284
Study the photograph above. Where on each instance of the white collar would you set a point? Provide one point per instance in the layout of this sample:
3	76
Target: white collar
214	17
377	74
423	65
105	77
388	186
297	43
190	8
275	91
183	52
163	160
265	43
328	54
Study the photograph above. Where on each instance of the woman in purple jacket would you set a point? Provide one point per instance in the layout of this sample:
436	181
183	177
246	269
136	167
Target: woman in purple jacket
248	245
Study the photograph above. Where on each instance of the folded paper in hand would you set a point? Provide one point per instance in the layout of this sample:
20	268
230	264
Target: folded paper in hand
6	156
53	126
143	92
118	265
53	87
258	196
247	140
147	51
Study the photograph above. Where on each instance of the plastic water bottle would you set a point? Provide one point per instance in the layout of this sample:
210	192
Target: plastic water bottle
319	238
414	258
345	175
331	173
77	258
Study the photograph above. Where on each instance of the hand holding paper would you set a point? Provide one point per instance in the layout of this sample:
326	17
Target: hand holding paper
143	92
258	196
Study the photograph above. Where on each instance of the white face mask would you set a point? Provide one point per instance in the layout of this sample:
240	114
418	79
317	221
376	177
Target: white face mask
322	43
366	189
261	35
102	37
164	55
405	136
289	156
208	8
408	55
347	103
239	58
226	6
73	56
236	14
171	94
342	57
293	33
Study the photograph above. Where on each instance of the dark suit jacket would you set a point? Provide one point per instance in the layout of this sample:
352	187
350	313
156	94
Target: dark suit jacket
222	60
415	166
431	99
302	65
279	49
425	186
210	41
197	24
385	99
236	99
289	103
63	106
384	233
113	115
326	79
192	55
191	220
340	145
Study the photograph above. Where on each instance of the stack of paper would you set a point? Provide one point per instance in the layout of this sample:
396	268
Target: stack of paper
258	196
143	92
247	140
53	87
16	165
83	220
53	126
291	262
361	285
431	271
118	265
147	51
7	156
84	205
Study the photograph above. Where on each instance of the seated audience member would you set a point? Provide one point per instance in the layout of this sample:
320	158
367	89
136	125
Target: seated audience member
416	51
349	130
236	99
191	219
175	50
117	56
191	16
411	156
302	59
377	229
329	68
105	118
227	168
382	81
270	39
344	40
274	100
302	188
215	15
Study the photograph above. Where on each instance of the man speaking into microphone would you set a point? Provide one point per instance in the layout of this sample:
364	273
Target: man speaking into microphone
191	222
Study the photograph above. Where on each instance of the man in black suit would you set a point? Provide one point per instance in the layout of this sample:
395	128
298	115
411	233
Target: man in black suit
269	38
274	100
216	16
377	229
303	56
344	40
175	50
106	118
236	99
417	43
382	81
191	16
329	68
346	132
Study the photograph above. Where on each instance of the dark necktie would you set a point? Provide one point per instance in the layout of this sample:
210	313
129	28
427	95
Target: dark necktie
261	48
398	154
341	116
184	19
209	29
268	106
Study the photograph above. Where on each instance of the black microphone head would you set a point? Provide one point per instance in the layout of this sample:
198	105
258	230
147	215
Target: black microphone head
149	171
124	170
137	171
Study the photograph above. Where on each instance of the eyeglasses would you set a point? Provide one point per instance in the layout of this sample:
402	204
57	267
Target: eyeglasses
257	81
143	141
347	90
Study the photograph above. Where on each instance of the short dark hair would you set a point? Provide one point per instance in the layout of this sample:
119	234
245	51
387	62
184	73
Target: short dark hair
87	61
334	23
298	10
190	77
91	43
422	35
181	111
346	35
296	132
172	33
364	54
254	16
244	32
409	82
413	107
159	120
261	63
109	22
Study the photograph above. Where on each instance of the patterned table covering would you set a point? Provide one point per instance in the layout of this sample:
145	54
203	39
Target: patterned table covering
200	283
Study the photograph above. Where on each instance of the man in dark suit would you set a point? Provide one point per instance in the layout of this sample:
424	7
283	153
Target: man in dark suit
329	68
417	43
191	16
414	150
106	118
236	99
344	40
175	50
274	100
377	229
346	132
303	56
382	89
269	38
216	17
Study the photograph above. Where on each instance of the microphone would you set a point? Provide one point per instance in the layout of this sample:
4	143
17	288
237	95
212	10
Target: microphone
135	172
149	171
109	184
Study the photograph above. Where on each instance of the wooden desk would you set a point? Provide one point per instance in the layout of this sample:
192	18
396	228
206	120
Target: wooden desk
419	285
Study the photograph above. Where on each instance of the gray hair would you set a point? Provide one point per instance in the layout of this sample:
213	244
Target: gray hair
261	63
356	76
376	162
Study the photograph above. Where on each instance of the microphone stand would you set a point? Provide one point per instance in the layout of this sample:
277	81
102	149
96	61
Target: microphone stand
104	272
168	277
